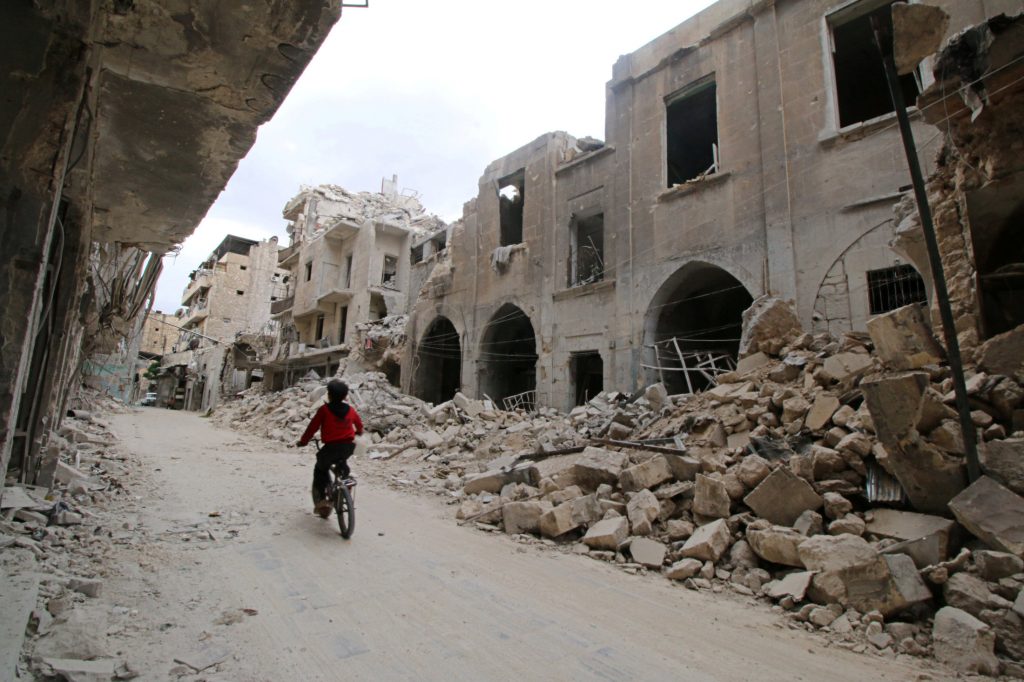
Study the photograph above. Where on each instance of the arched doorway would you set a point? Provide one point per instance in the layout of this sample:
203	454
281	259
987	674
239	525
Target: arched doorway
439	363
692	328
508	357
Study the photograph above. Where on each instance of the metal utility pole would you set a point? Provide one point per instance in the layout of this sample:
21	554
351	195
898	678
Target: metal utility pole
883	39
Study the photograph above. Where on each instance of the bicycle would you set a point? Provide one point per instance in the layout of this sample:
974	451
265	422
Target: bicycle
341	493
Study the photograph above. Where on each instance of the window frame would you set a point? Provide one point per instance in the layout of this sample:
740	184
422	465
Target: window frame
689	90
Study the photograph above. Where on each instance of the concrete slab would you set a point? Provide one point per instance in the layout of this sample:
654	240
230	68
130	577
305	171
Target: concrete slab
19	589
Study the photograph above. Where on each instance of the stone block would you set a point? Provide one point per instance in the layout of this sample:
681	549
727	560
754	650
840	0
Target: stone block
486	482
523	517
683	468
66	474
468	405
751	363
993	566
794	408
768	324
711	498
845	366
657	396
836	506
586	510
1004	354
1003	460
645	475
820	414
678	529
906	579
903	338
782	497
607	534
792	585
596	466
650	553
993	514
557	521
708	542
809	523
642	509
927	551
777	545
850	524
904	525
90	587
752	470
683	569
427	438
963	642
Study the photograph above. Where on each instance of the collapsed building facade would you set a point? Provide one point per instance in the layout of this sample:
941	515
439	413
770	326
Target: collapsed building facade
349	263
750	150
229	295
121	122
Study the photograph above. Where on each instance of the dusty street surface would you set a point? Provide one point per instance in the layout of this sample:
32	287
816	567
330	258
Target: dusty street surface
411	596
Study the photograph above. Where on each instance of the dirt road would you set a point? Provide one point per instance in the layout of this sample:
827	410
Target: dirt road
412	596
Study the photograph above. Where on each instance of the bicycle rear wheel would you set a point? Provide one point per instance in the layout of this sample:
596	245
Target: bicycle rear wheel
346	510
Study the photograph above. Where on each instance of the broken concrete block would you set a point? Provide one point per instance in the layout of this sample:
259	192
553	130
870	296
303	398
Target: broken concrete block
845	366
930	477
793	585
617	431
523	517
768	324
836	505
683	569
650	553
851	524
777	545
597	466
557	521
970	593
751	363
809	523
963	642
711	498
752	470
642	509
607	534
645	475
678	529
903	525
683	468
90	587
903	338
992	513
708	542
1003	460
427	438
782	497
66	473
468	405
586	510
1004	354
820	414
657	396
907	580
794	408
825	462
486	482
995	565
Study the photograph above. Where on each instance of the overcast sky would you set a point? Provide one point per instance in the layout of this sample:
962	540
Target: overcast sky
431	92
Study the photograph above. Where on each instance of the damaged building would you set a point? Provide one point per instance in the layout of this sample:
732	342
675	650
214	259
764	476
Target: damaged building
121	123
229	295
349	263
750	150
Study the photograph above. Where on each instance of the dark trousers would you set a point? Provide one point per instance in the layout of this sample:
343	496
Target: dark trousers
329	455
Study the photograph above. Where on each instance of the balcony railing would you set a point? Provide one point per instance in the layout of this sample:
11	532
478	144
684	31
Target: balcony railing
284	305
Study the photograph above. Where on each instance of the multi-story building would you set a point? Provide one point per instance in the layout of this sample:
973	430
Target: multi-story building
348	262
229	295
160	332
752	149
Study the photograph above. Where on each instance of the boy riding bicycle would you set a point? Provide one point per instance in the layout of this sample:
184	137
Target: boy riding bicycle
339	424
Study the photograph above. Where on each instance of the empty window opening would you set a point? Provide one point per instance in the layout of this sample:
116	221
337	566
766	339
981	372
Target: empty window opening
692	328
392	371
861	89
439	363
273	298
587	372
309	271
348	271
378	308
243	267
440	243
319	328
586	250
996	214
511	196
895	287
343	324
239	292
417	254
508	357
389	275
691	133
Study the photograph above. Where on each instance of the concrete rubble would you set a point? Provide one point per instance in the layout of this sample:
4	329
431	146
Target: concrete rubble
771	483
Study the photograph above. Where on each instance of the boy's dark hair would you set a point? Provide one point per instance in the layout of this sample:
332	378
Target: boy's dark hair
337	390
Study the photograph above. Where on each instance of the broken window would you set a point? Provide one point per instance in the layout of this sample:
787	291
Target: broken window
586	250
378	307
895	287
440	243
417	254
511	195
587	375
343	324
389	276
319	328
691	132
861	89
239	292
348	271
309	271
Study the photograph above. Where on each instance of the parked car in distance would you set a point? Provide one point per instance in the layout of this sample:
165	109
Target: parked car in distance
149	400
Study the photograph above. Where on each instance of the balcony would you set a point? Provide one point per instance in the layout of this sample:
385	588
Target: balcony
282	306
341	230
201	281
288	256
196	313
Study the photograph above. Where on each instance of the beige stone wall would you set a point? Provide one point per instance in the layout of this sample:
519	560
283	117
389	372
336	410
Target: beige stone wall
159	333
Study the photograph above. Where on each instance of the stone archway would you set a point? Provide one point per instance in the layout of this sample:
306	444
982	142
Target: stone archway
507	361
438	362
699	309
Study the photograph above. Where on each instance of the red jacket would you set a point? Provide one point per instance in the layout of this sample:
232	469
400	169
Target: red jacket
332	429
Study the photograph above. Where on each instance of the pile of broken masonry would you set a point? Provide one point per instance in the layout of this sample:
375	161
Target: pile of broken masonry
824	475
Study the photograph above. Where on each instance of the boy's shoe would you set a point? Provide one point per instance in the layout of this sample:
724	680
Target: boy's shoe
323	508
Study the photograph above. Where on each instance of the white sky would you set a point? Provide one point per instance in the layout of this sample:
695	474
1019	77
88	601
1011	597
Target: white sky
432	91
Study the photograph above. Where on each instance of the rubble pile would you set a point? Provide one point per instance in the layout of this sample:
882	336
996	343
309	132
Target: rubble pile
379	344
58	541
824	475
398	209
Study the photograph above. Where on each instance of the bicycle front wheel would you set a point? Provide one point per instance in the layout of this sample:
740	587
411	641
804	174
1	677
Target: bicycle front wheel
346	511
